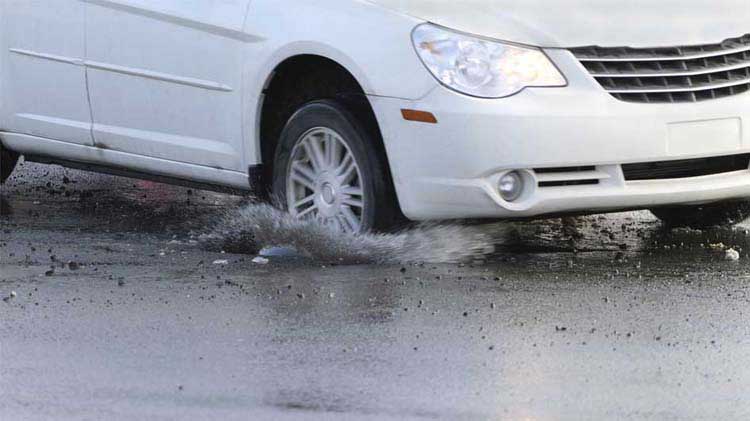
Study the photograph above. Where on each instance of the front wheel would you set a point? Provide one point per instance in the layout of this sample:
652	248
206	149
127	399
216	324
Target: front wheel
8	162
704	216
328	167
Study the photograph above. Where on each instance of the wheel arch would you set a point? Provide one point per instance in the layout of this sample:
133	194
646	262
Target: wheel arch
285	87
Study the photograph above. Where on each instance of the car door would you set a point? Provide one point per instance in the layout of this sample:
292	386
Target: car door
165	78
43	72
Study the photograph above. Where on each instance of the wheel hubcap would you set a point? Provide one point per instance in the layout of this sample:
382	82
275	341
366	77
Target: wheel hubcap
324	181
329	195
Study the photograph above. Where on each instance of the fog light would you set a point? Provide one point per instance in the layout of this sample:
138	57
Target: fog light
511	186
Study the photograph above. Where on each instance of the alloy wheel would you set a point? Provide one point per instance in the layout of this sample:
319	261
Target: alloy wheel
324	181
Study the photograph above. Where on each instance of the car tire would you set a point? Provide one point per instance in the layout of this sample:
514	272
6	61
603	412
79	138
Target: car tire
328	166
704	216
8	161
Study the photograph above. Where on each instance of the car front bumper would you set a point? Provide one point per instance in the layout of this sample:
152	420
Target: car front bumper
451	169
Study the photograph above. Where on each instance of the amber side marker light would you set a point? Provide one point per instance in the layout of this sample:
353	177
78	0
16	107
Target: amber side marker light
419	116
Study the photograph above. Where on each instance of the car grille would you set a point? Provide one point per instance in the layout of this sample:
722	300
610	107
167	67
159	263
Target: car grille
685	168
672	74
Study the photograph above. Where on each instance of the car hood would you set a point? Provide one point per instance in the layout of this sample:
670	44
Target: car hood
571	23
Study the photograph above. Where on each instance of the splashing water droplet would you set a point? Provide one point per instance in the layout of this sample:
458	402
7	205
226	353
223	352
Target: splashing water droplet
253	227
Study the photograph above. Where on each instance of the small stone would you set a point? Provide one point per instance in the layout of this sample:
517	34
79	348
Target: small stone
221	262
717	246
732	255
73	265
260	260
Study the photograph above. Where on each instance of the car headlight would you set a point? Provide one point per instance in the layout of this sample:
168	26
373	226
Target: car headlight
481	67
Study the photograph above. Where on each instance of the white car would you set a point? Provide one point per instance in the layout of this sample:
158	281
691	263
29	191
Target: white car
359	112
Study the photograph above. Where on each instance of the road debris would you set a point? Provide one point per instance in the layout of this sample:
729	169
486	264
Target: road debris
260	260
732	255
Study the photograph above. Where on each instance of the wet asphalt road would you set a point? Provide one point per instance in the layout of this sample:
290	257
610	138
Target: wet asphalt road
112	311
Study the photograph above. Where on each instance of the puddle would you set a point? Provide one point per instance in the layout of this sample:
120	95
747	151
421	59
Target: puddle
253	227
262	229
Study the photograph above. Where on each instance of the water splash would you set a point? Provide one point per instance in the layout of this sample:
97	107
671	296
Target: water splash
256	226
